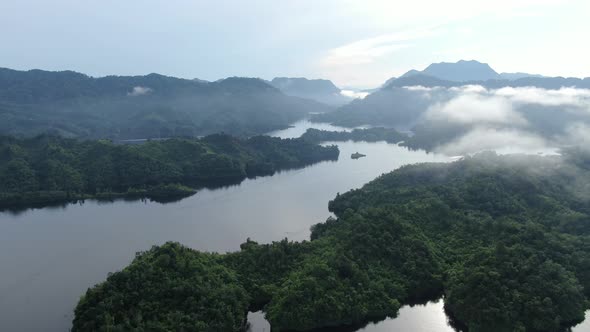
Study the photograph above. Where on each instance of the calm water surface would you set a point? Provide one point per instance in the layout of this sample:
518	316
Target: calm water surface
50	256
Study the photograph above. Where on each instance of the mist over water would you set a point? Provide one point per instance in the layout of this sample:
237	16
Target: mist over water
298	128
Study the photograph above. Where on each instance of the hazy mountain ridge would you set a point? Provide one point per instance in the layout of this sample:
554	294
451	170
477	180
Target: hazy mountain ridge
320	90
460	71
552	83
534	110
515	76
77	105
464	71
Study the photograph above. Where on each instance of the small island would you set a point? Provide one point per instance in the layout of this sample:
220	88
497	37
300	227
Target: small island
357	155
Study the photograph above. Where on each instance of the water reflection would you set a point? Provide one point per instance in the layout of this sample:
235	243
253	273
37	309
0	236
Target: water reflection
426	317
300	127
50	256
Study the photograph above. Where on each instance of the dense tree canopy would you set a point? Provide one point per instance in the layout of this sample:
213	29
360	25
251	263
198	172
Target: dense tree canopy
50	169
168	286
506	239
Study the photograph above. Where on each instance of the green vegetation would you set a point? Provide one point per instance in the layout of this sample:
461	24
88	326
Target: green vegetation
179	288
49	169
505	239
376	134
384	107
153	106
357	155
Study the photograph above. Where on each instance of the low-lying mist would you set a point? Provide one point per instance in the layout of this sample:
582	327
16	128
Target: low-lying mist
472	118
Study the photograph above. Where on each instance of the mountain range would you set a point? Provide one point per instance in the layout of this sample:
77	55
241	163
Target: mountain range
123	107
423	101
72	104
320	90
466	70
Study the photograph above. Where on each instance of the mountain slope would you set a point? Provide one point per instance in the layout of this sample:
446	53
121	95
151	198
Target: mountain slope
442	111
320	90
515	76
459	71
119	107
464	71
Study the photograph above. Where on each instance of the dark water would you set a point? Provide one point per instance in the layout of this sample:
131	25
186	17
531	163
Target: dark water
50	256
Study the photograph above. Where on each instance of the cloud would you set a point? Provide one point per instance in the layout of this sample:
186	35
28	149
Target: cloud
563	97
354	94
474	108
508	120
475	104
369	50
421	88
577	134
498	139
469	89
359	53
139	91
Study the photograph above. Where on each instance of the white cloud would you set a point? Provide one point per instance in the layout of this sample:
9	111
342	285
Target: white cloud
562	97
354	94
577	134
496	120
473	108
474	104
369	50
499	140
469	89
139	91
421	88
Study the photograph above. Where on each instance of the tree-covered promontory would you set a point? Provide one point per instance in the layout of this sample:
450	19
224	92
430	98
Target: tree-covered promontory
48	169
505	239
187	290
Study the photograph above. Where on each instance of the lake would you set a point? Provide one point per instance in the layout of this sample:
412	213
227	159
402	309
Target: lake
50	256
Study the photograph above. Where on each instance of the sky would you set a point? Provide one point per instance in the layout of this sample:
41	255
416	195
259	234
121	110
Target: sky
357	44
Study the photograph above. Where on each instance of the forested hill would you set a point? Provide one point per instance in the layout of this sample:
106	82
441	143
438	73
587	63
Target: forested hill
49	169
506	239
119	107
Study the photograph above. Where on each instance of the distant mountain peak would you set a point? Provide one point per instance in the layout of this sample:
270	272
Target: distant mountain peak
461	71
465	71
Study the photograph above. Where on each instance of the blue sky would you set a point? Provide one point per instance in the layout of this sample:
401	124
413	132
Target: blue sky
353	43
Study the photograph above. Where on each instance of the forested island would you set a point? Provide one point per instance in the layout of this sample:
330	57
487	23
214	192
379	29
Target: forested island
357	155
49	169
505	239
425	138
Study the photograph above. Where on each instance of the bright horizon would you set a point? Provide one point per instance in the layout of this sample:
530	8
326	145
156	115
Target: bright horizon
353	43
